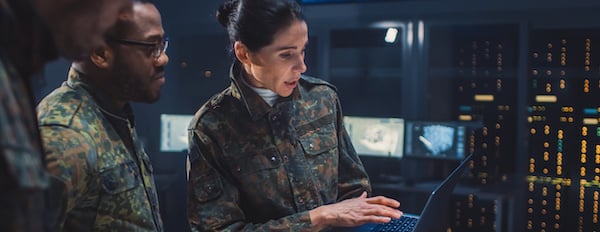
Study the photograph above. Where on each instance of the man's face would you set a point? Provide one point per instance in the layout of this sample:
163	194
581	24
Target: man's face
77	26
136	73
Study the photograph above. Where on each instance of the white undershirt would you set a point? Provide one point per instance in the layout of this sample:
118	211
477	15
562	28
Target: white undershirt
269	96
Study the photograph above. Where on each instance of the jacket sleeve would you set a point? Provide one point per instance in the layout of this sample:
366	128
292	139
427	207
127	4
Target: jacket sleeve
213	200
353	179
66	152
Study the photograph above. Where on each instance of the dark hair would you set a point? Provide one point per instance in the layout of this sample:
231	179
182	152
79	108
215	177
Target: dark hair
255	22
122	26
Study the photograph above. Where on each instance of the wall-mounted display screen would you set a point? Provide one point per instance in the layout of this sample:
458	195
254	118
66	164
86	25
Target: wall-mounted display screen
376	136
440	140
173	130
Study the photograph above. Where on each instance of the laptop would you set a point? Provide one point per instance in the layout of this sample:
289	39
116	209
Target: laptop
430	219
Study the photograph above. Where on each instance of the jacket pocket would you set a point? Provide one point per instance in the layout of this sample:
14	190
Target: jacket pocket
121	178
319	140
208	186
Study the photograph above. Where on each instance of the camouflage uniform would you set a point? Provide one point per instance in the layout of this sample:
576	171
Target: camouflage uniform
98	183
261	168
22	176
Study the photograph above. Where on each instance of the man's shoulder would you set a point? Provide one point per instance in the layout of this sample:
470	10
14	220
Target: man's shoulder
63	106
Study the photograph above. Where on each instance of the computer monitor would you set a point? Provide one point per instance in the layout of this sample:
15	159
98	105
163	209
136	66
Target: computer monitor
174	136
371	136
436	139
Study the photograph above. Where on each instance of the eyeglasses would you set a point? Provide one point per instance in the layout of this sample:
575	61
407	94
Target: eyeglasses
155	49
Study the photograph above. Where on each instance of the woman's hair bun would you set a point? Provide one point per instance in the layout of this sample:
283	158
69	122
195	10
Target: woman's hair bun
225	11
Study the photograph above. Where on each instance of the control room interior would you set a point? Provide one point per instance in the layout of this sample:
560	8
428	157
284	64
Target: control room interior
422	84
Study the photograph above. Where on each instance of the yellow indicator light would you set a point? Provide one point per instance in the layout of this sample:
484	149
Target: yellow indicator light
546	98
484	97
590	121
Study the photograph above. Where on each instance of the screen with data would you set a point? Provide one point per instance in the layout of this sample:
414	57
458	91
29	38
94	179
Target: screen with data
373	136
442	140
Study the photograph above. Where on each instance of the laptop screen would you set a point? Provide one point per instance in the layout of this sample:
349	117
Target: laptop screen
435	216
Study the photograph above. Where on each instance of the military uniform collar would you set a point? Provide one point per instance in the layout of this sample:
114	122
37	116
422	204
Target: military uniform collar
77	79
255	105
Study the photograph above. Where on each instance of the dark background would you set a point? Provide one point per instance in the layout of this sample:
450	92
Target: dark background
427	74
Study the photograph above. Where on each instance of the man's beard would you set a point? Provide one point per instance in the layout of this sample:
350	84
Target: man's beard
130	85
123	82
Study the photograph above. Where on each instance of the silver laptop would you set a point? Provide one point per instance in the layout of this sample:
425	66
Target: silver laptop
431	217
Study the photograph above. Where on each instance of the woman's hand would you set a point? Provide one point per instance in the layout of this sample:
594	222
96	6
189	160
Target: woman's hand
355	212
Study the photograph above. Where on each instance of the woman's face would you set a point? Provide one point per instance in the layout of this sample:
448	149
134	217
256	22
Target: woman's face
278	65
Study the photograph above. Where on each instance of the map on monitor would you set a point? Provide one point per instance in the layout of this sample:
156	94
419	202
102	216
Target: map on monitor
373	136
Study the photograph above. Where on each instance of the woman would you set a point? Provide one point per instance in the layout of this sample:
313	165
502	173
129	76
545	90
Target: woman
270	153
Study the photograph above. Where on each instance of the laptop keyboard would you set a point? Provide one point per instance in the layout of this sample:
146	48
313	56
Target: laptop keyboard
401	224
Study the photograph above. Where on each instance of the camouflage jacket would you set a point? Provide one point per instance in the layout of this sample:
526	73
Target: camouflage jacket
261	168
98	183
20	148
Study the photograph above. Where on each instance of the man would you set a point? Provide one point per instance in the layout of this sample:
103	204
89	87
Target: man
33	32
101	176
